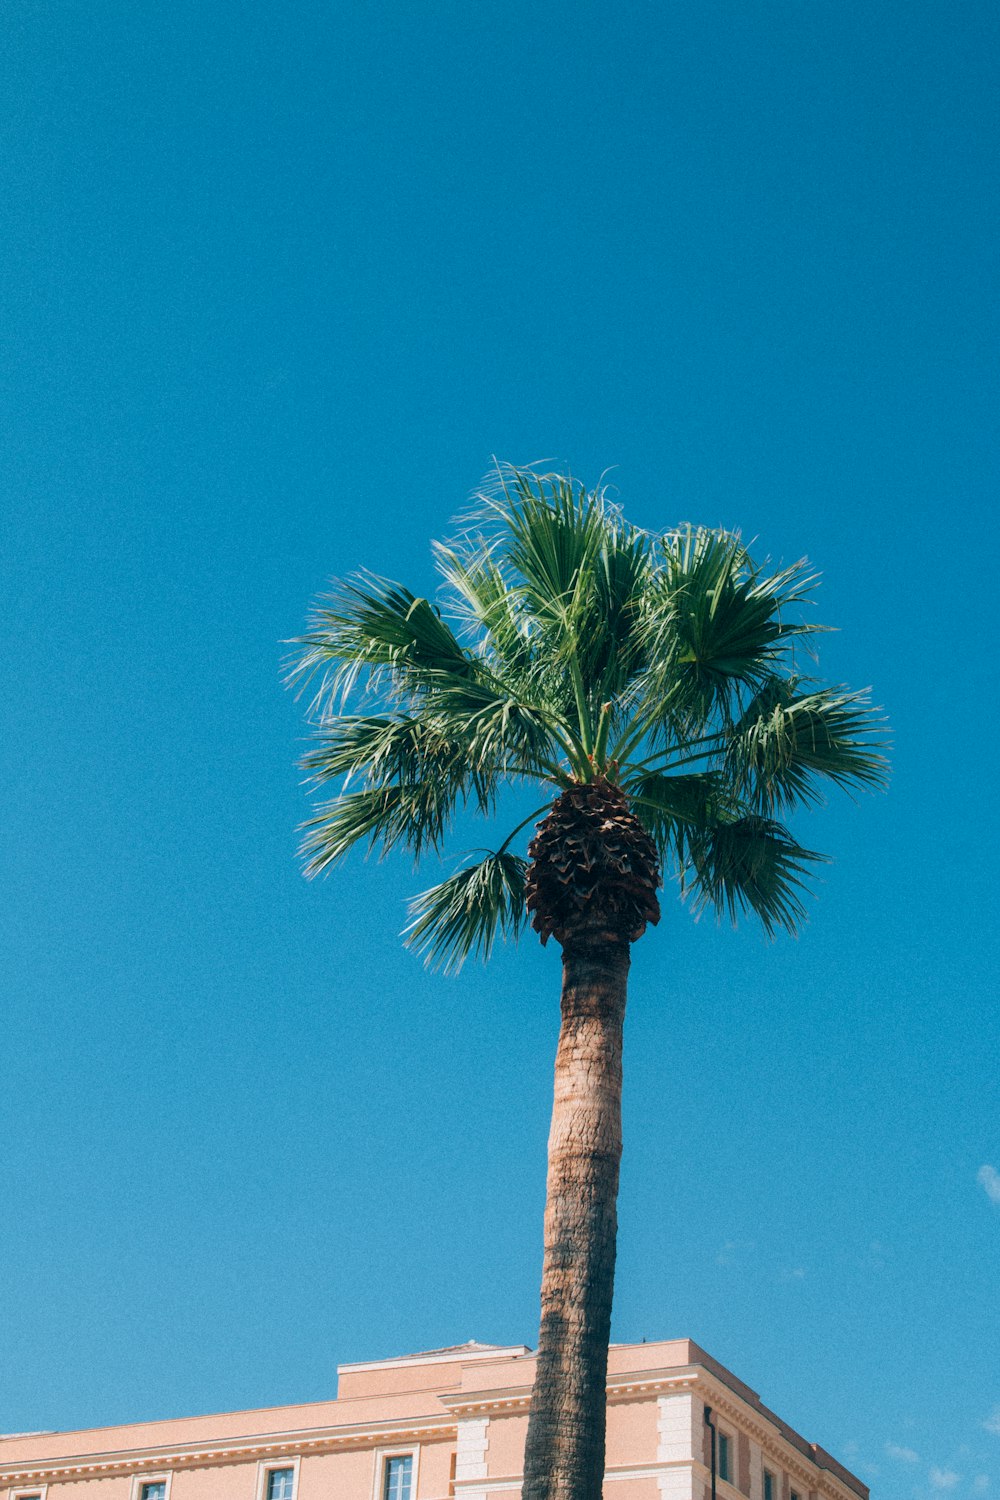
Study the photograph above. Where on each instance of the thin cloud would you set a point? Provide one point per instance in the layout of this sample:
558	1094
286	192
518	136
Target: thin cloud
903	1455
733	1252
989	1179
943	1479
992	1423
981	1483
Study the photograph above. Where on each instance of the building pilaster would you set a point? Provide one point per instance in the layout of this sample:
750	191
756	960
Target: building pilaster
756	1471
470	1453
679	1429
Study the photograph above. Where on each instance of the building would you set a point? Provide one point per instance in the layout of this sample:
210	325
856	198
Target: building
444	1425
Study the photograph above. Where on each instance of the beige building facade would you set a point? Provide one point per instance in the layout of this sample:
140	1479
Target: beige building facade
445	1425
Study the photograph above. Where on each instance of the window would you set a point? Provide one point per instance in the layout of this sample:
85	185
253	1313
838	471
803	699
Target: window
277	1478
149	1489
768	1485
796	1495
398	1477
725	1458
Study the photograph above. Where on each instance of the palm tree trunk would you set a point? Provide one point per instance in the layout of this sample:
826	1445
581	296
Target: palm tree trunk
564	1452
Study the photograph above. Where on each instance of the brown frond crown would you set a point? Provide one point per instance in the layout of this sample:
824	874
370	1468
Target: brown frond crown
594	870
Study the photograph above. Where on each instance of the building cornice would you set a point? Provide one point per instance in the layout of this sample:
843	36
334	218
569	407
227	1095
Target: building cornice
227	1451
810	1470
460	1406
625	1386
621	1387
464	1404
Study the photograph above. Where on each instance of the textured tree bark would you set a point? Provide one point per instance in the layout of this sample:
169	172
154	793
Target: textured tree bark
564	1452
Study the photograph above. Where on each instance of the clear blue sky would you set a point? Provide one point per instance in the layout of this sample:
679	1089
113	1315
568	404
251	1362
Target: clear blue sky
275	282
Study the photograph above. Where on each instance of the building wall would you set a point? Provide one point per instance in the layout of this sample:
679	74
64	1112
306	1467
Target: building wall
464	1418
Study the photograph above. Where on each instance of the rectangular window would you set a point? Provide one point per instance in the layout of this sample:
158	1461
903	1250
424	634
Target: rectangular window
725	1458
155	1491
796	1495
280	1483
768	1485
398	1478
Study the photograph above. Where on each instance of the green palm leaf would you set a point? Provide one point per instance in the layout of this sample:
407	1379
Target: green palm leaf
380	747
489	607
787	743
372	623
716	626
552	531
749	865
466	913
413	815
576	646
672	807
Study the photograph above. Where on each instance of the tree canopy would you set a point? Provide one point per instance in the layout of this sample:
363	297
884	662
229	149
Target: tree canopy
569	645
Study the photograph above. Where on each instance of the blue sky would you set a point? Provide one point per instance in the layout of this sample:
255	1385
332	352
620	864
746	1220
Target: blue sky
277	281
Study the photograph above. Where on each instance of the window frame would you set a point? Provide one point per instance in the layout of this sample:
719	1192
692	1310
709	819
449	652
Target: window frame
28	1492
731	1456
382	1457
158	1476
267	1466
768	1491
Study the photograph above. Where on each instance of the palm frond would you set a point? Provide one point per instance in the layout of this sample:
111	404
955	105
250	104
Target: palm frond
413	815
464	915
381	747
788	742
499	731
564	575
372	623
372	815
675	808
751	864
552	580
715	626
611	640
499	626
551	531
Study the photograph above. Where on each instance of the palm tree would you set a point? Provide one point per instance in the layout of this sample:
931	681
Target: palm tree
651	686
